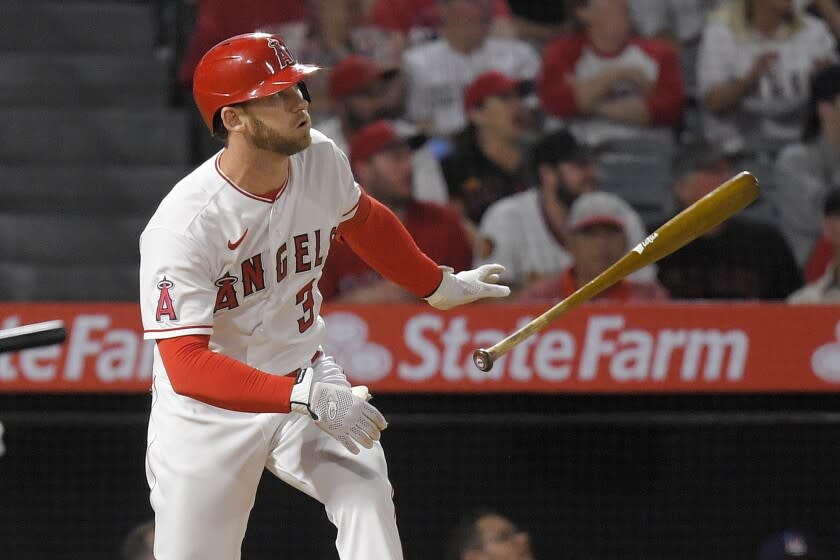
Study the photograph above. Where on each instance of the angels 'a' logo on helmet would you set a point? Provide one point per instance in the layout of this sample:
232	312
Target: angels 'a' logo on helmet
284	57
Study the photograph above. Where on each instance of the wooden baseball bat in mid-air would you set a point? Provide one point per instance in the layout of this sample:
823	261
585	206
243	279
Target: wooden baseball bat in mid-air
32	336
728	199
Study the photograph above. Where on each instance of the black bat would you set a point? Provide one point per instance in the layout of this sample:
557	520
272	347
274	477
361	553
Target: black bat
32	336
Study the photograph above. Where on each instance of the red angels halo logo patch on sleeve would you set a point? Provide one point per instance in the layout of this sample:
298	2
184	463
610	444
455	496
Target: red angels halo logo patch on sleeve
165	307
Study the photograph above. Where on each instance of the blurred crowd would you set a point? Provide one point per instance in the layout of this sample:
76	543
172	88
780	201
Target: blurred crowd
553	137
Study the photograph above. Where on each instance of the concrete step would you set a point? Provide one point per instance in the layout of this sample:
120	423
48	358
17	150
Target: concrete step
59	239
127	190
78	282
106	136
94	80
64	27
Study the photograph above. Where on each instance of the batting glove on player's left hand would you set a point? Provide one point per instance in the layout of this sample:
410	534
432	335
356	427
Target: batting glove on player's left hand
342	412
468	286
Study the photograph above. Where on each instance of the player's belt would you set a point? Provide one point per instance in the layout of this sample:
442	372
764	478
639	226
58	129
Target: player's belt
314	359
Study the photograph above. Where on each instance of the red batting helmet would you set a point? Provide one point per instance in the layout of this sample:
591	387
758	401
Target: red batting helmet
244	67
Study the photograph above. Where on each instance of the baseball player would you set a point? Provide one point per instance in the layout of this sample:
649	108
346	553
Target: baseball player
229	271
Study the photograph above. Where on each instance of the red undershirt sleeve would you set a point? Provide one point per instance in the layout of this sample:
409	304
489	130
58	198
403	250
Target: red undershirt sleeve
197	372
376	235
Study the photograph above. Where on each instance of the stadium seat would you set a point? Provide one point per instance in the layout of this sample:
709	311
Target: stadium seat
638	170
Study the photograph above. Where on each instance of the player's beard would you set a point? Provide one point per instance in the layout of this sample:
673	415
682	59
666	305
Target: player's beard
266	138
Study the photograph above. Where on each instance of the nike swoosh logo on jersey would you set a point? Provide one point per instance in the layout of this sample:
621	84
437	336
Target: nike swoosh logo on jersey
233	245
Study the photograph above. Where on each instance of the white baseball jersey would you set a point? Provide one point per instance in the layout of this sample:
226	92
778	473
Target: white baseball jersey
770	115
516	236
437	76
244	269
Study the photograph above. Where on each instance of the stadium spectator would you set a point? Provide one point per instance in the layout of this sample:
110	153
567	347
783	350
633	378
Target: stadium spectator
381	161
789	545
358	92
607	83
807	171
437	72
487	162
488	535
755	63
597	238
139	542
827	288
739	259
526	232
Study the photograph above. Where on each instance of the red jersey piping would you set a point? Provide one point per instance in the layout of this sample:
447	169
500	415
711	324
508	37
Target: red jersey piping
261	198
179	328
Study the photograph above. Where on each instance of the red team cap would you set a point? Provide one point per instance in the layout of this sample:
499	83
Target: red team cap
486	85
242	68
354	74
371	140
380	135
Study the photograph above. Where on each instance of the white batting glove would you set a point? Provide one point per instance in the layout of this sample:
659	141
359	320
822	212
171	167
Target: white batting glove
468	286
342	412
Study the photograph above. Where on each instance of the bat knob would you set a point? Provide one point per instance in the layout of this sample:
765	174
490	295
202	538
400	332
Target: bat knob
483	359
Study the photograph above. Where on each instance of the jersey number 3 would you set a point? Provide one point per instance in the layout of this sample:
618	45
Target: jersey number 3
306	300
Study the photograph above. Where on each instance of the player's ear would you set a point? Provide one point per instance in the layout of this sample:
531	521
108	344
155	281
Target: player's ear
232	118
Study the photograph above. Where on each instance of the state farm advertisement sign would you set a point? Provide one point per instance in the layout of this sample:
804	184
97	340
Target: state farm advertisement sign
407	348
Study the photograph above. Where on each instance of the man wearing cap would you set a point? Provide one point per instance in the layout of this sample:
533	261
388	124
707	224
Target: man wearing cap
359	90
790	544
437	72
488	161
526	232
597	238
381	161
739	259
808	170
827	288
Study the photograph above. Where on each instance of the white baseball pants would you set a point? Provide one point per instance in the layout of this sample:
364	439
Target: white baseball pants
203	465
